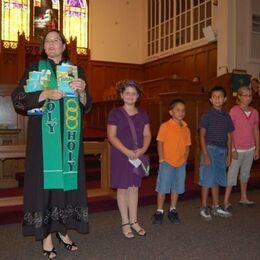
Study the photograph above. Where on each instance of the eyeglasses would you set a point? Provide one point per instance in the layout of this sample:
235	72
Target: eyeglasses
245	95
54	41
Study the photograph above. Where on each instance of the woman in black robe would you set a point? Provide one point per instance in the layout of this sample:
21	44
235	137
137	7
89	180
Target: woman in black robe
51	210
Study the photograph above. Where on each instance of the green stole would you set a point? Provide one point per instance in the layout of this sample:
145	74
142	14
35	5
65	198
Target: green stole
60	159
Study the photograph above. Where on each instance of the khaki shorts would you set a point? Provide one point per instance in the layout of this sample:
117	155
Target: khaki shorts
243	165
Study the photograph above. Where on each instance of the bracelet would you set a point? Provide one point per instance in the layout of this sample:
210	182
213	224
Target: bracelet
161	160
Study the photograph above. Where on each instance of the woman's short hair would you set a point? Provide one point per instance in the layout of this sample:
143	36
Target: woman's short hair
240	92
65	54
122	85
242	89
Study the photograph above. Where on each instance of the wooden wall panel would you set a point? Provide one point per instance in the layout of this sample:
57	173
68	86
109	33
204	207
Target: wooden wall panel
105	75
186	64
175	67
136	73
97	82
110	75
156	69
211	63
102	76
201	65
121	73
189	66
8	67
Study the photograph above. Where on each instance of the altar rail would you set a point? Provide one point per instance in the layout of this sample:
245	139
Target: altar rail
158	112
102	148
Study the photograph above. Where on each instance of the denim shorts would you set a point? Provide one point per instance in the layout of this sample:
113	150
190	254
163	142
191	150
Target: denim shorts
215	173
171	179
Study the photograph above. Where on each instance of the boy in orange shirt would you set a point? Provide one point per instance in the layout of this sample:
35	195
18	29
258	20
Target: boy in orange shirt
173	148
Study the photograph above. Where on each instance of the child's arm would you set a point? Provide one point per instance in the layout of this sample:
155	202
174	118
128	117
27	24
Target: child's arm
187	152
256	132
112	137
229	147
160	151
147	140
147	137
202	133
234	152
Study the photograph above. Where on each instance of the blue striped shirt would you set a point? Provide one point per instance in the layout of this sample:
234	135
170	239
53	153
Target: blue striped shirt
217	124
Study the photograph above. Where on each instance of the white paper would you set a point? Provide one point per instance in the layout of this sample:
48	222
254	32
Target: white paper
135	162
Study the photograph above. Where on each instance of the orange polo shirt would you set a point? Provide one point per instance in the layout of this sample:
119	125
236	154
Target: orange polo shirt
175	139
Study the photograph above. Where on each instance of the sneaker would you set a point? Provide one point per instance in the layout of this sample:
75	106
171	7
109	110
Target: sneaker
158	218
205	213
219	211
247	203
228	207
173	216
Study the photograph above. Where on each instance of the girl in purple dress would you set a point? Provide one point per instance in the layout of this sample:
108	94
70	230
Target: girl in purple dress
123	176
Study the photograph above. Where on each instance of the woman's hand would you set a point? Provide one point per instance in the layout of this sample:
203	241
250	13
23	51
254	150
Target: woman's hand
53	94
78	85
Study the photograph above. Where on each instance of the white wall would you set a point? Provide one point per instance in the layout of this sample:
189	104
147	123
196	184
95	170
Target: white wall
117	30
233	25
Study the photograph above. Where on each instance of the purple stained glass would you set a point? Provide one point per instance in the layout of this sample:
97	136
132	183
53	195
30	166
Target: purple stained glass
14	5
75	3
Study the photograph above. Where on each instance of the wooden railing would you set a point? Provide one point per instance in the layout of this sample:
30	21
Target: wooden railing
10	152
158	112
97	118
102	148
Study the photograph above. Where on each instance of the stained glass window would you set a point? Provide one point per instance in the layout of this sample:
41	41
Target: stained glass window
75	21
46	16
15	17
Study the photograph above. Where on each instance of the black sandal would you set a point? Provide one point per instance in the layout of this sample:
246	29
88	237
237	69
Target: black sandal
48	253
66	245
128	235
141	232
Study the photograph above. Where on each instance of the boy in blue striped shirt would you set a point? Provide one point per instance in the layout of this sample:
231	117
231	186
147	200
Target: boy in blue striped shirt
215	139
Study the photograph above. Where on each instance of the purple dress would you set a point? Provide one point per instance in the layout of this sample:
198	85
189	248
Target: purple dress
122	174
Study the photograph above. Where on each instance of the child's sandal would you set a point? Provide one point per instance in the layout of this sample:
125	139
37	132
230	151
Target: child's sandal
128	235
141	232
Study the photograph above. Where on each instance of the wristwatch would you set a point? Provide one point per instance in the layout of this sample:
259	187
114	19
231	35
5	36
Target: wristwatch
83	94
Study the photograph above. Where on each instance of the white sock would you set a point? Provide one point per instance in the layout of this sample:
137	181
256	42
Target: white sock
171	208
160	210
